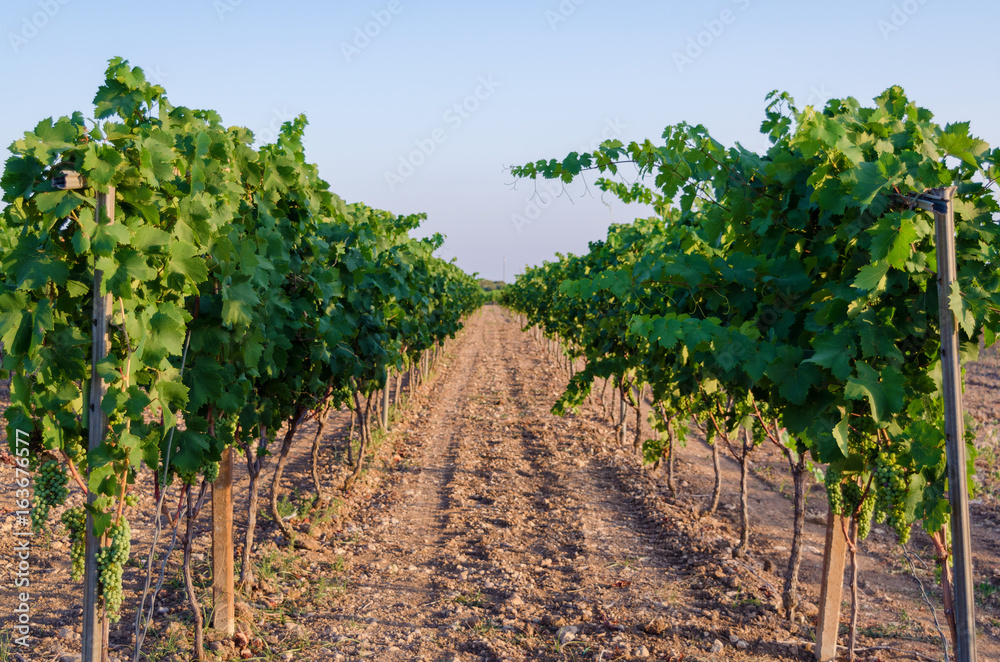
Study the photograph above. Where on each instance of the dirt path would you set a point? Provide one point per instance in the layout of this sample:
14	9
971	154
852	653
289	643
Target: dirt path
516	540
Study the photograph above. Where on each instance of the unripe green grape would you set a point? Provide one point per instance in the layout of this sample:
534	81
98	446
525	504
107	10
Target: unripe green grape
866	511
852	496
892	484
75	521
210	471
834	490
110	562
897	520
50	490
187	477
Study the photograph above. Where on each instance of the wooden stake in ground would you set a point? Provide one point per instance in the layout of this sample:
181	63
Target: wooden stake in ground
958	490
832	588
223	590
95	620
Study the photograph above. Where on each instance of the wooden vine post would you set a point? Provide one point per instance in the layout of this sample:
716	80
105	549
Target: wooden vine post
831	589
951	372
223	586
95	620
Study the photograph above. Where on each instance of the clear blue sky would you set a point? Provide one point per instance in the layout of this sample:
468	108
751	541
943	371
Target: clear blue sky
531	80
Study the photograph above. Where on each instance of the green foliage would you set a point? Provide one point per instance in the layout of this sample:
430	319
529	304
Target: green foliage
243	293
803	278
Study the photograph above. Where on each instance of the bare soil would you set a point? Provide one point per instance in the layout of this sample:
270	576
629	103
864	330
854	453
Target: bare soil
489	529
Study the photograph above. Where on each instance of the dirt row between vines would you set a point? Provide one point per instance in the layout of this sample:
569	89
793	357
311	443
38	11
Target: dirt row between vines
489	529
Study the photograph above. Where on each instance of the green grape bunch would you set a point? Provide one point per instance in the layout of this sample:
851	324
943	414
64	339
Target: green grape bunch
210	471
75	521
187	477
50	490
865	514
226	430
111	560
834	490
891	482
859	503
849	499
852	496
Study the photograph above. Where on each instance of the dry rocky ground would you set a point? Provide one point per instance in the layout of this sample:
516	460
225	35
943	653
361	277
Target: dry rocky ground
489	529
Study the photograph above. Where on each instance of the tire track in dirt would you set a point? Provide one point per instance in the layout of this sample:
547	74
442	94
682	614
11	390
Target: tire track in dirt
623	563
427	514
397	564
